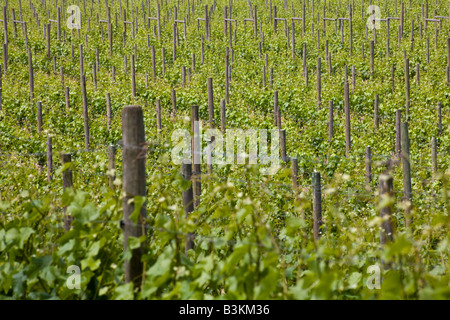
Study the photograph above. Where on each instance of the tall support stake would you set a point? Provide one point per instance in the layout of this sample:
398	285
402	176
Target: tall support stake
387	230
188	202
197	154
133	138
406	166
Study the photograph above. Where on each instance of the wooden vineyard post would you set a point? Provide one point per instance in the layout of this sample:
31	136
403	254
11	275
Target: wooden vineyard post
222	115
387	230
303	18
317	206
61	73
196	154
283	145
183	75
210	101
111	165
49	159
418	74
153	64
133	138
39	116
66	158
406	166
85	113
158	116
294	167
66	95
439	118
188	201
5	24
5	58
407	87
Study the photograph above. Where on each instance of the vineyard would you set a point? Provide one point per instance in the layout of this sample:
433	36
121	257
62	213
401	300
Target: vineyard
315	159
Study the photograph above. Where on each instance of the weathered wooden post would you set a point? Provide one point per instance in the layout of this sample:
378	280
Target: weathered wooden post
39	116
387	230
158	116
188	202
153	64
66	95
294	166
406	166
210	101
133	138
283	145
317	206
196	154
439	118
222	115
407	87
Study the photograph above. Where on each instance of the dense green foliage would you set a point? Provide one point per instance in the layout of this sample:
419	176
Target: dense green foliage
253	233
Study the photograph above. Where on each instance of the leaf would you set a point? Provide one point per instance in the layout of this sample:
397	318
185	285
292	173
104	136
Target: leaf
91	263
133	243
124	292
138	202
18	283
354	280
